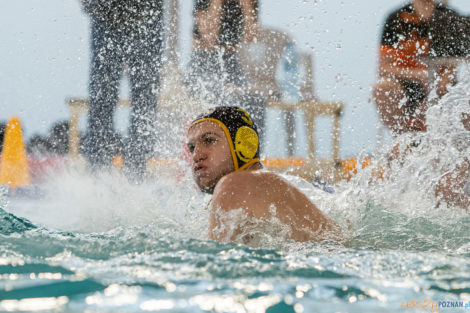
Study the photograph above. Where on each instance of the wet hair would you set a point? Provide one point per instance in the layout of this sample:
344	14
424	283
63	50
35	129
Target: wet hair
240	130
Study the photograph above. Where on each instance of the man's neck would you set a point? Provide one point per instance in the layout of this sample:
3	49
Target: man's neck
424	8
255	166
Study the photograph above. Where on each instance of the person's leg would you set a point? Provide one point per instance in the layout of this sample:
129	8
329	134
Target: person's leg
416	106
254	104
289	120
232	78
144	64
236	92
106	67
390	98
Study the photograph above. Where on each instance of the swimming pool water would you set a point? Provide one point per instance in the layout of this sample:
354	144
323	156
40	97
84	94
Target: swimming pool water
158	266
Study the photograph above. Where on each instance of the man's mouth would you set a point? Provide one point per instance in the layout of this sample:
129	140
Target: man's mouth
199	169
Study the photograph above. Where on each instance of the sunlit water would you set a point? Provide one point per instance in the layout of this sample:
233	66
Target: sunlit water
96	243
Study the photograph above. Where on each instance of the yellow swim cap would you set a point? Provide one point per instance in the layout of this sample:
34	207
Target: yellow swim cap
241	133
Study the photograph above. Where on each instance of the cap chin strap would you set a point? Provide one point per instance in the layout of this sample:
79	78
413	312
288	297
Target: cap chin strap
246	165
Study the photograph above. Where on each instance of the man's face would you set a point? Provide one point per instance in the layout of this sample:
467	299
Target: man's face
211	155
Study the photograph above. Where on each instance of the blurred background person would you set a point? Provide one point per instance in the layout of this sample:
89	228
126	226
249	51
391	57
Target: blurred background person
54	144
290	84
124	34
419	30
215	74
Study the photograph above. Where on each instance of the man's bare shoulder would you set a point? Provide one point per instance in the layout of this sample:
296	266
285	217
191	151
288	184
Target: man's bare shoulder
246	188
248	180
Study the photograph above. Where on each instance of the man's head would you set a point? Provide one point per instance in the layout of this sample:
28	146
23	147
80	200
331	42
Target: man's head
221	141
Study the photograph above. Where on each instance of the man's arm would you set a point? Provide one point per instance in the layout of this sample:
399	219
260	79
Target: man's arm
447	76
450	186
388	68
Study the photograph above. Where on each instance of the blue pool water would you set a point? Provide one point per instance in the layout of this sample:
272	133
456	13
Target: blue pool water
146	269
168	265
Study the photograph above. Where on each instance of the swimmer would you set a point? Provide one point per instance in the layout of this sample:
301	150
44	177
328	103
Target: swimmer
224	147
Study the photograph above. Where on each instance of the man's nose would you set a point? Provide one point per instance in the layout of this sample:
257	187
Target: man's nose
199	153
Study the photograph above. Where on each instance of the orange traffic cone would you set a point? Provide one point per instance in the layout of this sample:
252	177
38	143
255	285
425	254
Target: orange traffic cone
14	170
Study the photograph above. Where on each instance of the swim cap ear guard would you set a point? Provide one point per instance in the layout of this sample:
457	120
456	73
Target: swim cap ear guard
241	133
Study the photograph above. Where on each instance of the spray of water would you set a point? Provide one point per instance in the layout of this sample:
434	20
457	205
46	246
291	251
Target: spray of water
398	211
401	209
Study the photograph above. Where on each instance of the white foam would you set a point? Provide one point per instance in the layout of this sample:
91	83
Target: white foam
77	201
410	187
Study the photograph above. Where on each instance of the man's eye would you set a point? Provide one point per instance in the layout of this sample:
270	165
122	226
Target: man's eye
191	148
210	140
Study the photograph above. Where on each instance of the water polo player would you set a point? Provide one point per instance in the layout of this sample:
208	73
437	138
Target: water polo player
224	147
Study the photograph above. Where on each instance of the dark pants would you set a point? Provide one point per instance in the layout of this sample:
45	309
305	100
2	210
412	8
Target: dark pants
415	94
112	49
254	104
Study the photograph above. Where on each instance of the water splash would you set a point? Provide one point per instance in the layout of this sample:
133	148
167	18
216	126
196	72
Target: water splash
78	201
401	210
